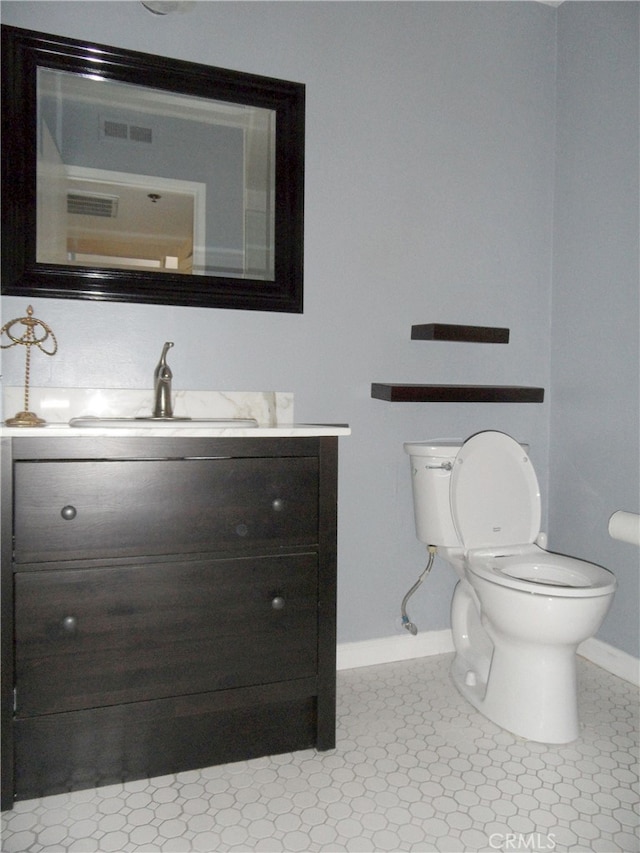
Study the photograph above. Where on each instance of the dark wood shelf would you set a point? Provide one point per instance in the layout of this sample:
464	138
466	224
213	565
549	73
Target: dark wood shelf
397	393
454	332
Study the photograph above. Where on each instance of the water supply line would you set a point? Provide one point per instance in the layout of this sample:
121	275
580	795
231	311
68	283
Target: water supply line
406	622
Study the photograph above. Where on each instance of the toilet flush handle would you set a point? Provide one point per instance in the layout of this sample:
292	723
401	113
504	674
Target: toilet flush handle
444	466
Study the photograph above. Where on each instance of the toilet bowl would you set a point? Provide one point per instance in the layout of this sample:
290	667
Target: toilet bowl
519	612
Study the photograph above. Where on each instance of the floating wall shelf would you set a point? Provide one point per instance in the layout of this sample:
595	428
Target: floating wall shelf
454	332
396	393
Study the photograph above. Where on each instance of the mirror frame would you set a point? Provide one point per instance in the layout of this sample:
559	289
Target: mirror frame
23	51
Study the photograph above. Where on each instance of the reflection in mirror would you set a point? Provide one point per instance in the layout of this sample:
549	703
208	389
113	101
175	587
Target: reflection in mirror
117	188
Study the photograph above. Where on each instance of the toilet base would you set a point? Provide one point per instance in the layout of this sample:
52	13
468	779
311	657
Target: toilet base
528	688
537	703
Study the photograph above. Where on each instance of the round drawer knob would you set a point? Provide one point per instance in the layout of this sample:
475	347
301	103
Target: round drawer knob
278	505
68	512
70	624
278	603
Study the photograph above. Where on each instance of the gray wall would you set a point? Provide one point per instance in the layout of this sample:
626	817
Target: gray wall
595	410
429	198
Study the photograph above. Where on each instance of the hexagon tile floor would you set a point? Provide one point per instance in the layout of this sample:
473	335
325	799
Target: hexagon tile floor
415	769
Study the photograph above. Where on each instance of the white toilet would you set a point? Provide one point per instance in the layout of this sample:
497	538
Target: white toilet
518	612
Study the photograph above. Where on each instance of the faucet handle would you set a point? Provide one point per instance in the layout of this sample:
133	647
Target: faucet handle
163	371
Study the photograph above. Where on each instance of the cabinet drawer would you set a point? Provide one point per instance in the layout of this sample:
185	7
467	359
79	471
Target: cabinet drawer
79	510
93	637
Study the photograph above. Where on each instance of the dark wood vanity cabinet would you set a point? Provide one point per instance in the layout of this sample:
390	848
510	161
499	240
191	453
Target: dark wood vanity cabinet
168	603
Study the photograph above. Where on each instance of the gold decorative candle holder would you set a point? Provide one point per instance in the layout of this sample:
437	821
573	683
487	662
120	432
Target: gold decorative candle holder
36	333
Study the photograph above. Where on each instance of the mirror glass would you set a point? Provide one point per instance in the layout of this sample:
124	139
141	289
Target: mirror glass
131	177
116	187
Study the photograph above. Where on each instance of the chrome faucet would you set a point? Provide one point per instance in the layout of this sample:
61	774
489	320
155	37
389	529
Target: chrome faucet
162	377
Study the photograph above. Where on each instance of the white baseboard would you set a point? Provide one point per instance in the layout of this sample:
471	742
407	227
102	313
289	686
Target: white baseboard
613	660
394	648
405	647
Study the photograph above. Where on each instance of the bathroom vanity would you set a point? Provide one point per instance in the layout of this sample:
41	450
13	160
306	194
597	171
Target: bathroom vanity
168	601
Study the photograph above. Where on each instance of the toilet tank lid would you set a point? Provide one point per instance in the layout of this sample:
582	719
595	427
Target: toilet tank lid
444	447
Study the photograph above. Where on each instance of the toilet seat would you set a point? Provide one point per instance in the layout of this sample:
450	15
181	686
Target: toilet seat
494	493
495	503
531	569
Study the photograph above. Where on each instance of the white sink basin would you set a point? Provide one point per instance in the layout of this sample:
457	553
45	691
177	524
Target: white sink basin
155	423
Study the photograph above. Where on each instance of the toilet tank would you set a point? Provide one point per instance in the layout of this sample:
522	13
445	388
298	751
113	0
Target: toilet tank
431	464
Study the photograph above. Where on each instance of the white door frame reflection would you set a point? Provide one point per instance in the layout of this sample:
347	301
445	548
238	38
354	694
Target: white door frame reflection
152	222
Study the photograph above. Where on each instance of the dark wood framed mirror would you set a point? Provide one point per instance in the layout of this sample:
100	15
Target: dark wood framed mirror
130	177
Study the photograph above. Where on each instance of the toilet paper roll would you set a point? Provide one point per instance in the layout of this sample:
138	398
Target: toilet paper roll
625	526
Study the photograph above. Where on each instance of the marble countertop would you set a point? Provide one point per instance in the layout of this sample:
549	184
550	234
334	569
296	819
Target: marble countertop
181	430
272	410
